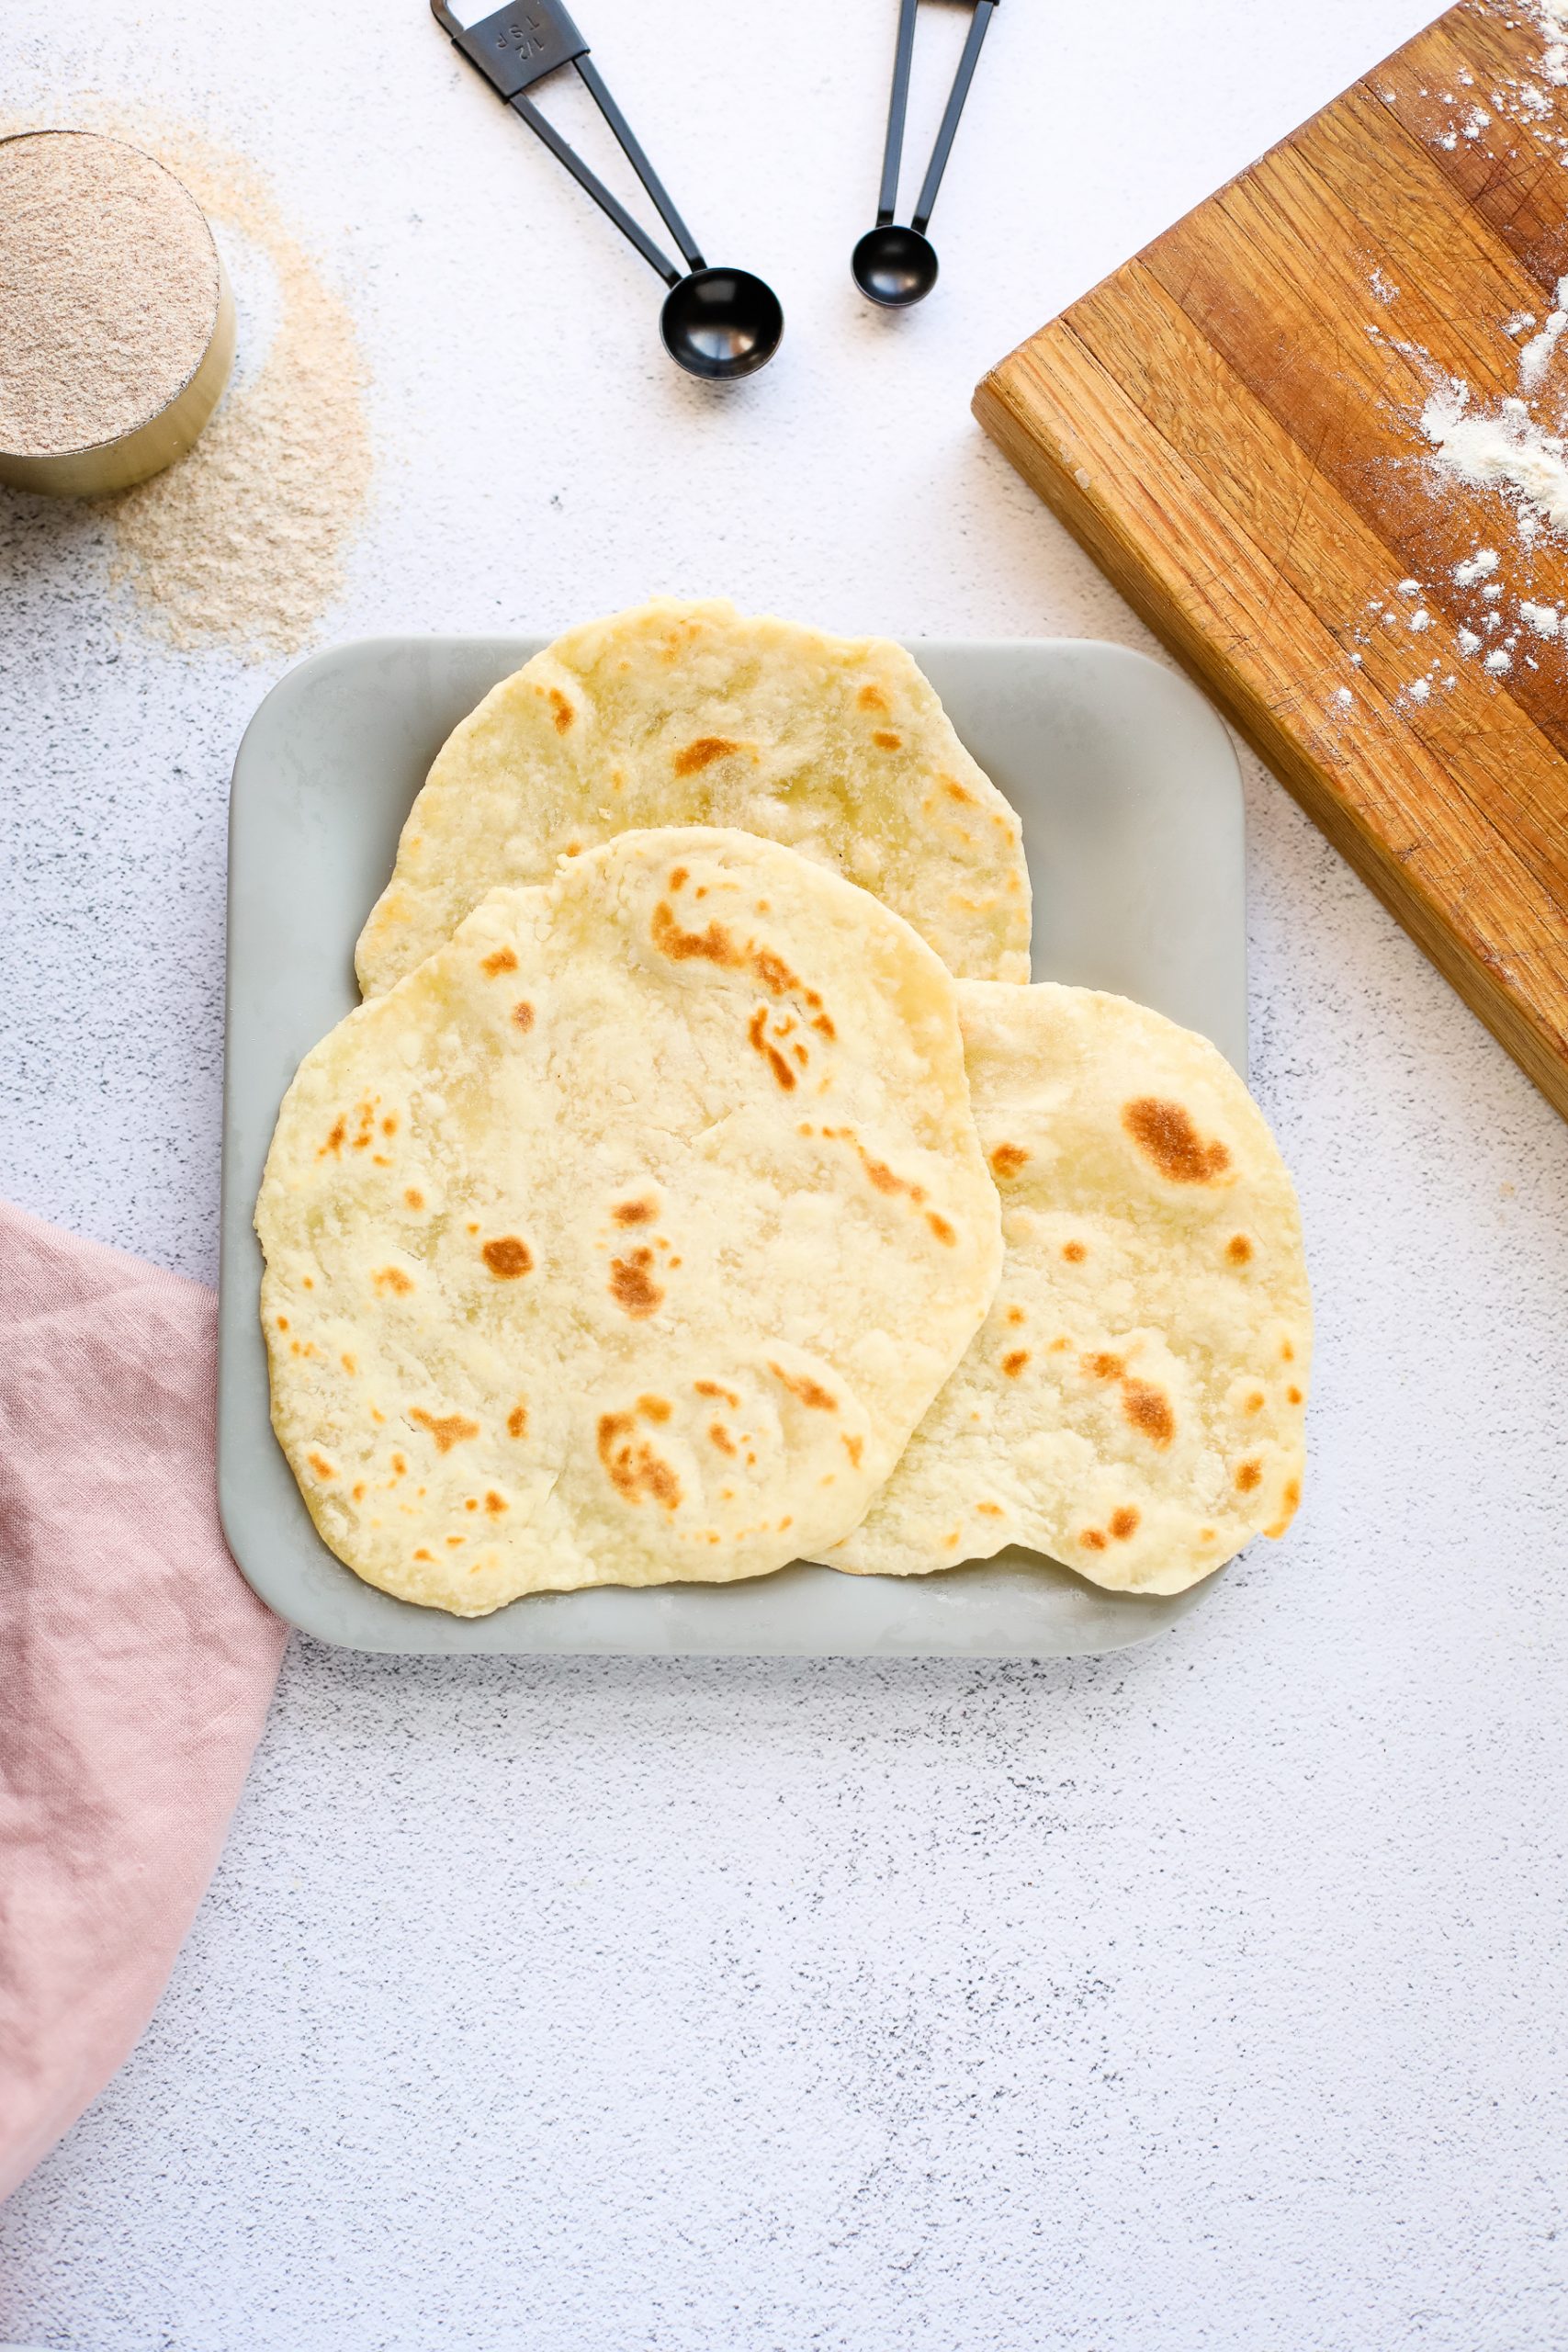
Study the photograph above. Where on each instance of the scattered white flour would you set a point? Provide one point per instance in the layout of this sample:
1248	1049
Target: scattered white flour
1508	451
1536	356
1344	697
1512	448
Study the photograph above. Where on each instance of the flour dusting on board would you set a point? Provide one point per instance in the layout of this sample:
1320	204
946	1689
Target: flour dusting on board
1505	457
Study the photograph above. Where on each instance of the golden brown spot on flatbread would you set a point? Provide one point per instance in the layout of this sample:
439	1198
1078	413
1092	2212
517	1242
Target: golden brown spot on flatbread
1293	1395
1164	1133
495	1504
448	1429
359	1494
456	1540
389	1124
380	1159
655	1409
677	876
824	1021
1016	1315
990	1511
630	1286
775	1060
951	1543
517	1422
293	1347
872	699
771	970
508	1258
1248	1475
1008	1159
1102	1367
713	945
1292	1493
1123	1522
721	1437
1208	1535
1059	1345
801	1056
1253	1404
1287	1354
473	1228
810	1392
1014	1362
414	1197
712	1388
881	1175
283	1322
1238	1249
1092	1540
1073	1252
349	1366
885	740
634	1470
634	1212
1148	1409
955	791
853	1446
941	1227
422	1555
523	1015
376	1414
505	959
785	1522
472	1503
393	1278
309	1282
320	1466
335	1141
561	710
400	1467
703	753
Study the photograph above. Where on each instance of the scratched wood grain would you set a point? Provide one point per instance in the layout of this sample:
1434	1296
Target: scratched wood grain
1230	425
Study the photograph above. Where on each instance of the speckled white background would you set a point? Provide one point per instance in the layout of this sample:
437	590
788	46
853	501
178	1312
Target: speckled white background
1208	1998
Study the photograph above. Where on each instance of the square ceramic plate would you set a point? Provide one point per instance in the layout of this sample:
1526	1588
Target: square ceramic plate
1132	813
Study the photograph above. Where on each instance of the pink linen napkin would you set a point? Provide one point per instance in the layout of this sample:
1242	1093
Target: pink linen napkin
136	1665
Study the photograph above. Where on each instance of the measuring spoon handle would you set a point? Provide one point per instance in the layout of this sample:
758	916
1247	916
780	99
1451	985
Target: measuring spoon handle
984	12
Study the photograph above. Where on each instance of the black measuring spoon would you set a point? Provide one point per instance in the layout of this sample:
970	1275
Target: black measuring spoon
715	322
894	267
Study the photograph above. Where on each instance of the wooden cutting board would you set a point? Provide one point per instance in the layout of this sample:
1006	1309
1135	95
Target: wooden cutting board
1231	425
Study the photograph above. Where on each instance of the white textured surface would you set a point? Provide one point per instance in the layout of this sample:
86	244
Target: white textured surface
1207	1998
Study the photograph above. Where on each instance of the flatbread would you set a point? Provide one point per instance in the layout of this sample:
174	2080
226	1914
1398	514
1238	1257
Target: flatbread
688	713
1133	1405
626	1239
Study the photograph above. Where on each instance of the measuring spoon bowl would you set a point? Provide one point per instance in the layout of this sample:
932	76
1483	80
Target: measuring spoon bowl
720	323
894	266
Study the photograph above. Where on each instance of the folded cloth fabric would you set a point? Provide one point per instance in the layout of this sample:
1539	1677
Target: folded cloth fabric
136	1664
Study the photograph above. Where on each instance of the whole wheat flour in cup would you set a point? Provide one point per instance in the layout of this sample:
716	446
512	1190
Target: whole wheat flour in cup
243	543
108	290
